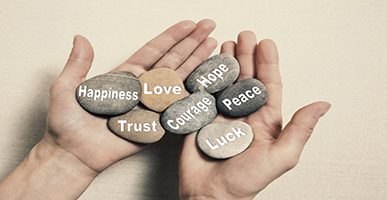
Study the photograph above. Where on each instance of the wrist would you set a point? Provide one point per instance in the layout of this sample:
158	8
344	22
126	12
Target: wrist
51	156
196	198
212	198
212	190
215	194
48	172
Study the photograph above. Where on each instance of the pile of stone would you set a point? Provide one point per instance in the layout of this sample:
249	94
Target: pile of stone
168	108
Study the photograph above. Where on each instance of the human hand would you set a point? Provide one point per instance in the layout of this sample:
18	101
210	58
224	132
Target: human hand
182	47
78	145
273	150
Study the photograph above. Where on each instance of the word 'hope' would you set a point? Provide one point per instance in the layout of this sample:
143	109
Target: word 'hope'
213	76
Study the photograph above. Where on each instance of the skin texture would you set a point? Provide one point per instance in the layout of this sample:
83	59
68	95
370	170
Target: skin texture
273	151
77	145
175	49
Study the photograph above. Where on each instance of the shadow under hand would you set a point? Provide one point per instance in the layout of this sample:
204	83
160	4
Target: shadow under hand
162	180
29	125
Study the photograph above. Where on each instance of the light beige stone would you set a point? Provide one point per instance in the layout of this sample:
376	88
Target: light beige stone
142	126
223	140
160	88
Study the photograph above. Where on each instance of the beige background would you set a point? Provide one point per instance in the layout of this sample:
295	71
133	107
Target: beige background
332	50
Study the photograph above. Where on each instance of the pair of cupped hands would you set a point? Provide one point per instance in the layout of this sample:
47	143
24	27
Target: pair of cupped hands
182	47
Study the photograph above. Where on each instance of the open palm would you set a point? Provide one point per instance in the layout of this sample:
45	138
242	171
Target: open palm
182	47
273	151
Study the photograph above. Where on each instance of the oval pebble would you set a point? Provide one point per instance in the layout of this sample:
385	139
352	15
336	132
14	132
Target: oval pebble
138	125
160	88
243	98
113	93
214	74
223	140
189	114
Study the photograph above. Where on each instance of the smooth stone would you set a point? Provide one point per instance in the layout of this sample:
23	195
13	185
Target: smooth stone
113	93
243	98
189	114
138	125
160	88
223	140
214	74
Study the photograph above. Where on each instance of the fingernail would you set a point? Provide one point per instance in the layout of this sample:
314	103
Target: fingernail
324	109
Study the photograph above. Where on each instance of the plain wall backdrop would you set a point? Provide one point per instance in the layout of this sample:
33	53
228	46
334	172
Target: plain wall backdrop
332	50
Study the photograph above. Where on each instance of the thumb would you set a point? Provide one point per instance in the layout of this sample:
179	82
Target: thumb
79	61
297	132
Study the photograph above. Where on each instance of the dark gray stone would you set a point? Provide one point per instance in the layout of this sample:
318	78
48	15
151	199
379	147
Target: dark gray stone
138	125
243	98
214	74
189	114
113	93
224	139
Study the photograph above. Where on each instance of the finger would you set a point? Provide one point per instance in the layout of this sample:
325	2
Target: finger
245	53
79	62
267	71
156	48
198	56
297	132
267	62
182	50
228	47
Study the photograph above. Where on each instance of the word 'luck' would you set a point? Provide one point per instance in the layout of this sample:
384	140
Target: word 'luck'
226	139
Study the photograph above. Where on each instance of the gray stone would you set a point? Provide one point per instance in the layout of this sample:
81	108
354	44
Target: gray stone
243	98
113	93
224	139
138	125
189	114
214	74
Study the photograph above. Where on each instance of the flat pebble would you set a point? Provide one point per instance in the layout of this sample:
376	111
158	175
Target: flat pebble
138	125
214	74
189	114
113	93
160	88
243	98
223	140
